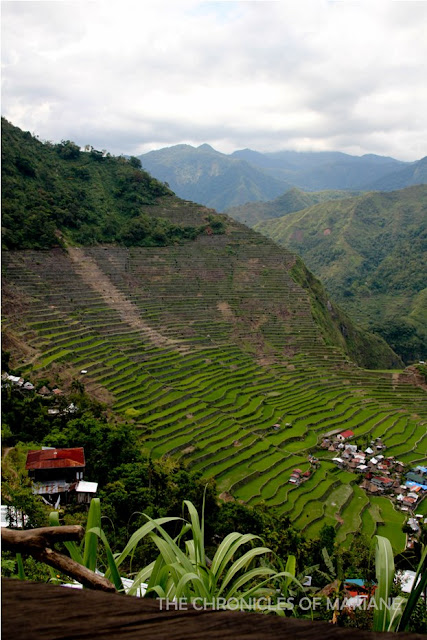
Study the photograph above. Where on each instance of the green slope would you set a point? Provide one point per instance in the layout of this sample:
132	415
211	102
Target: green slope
205	346
370	252
53	192
292	200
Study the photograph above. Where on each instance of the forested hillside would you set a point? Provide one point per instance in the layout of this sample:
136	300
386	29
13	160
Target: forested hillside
370	252
319	170
56	192
222	181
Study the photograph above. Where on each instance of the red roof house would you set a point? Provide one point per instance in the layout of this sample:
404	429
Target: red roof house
55	459
55	472
382	482
345	434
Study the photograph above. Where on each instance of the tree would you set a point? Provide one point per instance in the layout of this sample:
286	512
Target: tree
68	150
135	162
106	445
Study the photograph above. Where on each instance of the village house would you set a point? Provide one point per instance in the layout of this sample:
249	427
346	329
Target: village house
371	488
418	478
339	461
297	476
44	391
344	435
57	475
382	482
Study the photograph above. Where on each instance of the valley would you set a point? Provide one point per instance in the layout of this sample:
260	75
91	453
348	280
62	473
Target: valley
217	345
206	347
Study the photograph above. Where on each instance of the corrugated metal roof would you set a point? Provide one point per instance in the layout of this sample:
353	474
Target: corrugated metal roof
55	458
346	434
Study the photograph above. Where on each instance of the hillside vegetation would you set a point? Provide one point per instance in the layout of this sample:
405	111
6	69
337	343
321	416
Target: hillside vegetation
370	252
55	192
224	352
292	200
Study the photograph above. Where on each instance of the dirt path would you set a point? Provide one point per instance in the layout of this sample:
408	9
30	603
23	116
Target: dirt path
92	275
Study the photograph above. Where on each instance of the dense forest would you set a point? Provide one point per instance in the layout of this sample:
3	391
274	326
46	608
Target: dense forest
56	193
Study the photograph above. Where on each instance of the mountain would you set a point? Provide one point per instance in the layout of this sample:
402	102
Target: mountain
212	178
223	181
222	349
415	173
54	193
292	200
318	171
370	252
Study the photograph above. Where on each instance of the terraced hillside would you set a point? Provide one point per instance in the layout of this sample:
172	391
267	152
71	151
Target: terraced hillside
207	346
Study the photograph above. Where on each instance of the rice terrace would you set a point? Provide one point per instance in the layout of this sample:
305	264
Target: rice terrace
224	354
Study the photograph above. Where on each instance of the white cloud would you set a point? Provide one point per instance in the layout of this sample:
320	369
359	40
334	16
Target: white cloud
131	76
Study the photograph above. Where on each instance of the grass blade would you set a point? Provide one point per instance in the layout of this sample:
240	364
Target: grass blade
384	568
71	547
290	568
21	571
140	534
91	539
114	572
242	563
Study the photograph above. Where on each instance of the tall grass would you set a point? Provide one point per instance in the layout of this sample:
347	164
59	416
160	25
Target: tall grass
238	569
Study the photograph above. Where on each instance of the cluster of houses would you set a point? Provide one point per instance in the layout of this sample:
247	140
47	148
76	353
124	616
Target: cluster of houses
57	476
44	392
382	475
25	385
16	381
298	476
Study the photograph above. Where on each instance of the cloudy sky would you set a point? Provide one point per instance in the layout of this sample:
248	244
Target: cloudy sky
131	76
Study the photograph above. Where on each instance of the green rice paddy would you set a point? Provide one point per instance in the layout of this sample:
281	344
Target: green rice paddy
210	370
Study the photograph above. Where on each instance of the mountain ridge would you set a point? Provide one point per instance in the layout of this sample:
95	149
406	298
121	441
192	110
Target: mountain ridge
221	180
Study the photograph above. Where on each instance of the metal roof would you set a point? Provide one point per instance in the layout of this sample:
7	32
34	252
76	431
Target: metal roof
87	487
55	458
346	434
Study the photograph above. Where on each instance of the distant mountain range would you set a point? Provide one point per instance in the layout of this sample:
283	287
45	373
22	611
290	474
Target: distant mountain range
211	178
221	181
370	253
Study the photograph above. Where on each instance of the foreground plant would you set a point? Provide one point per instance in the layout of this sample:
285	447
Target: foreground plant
394	614
182	569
